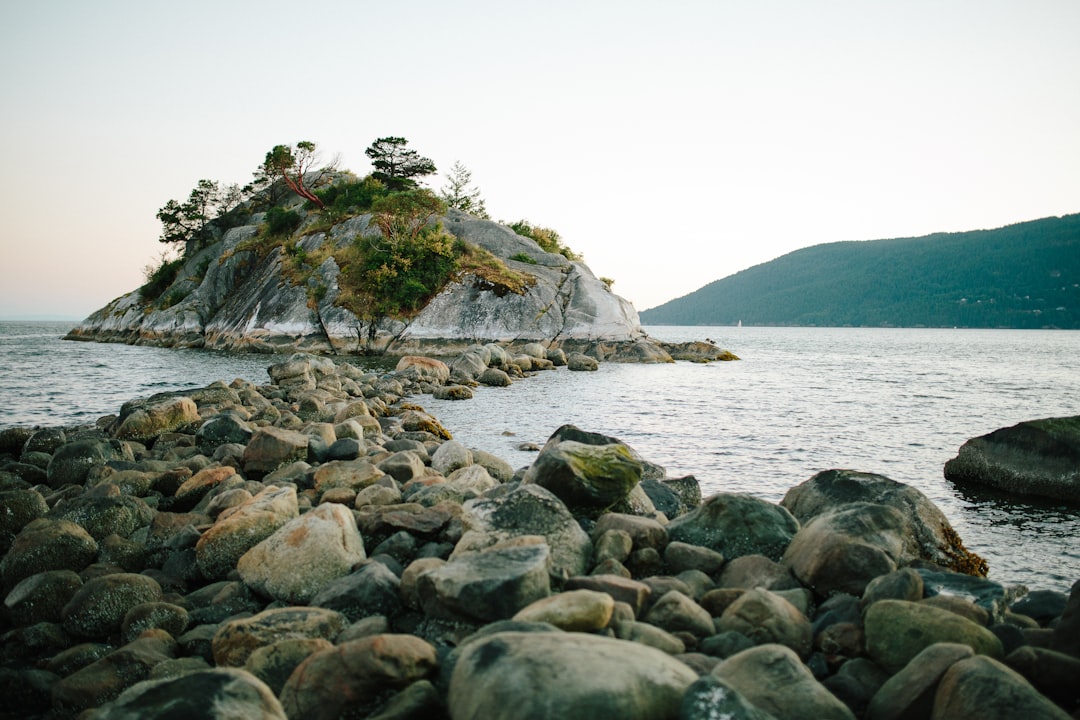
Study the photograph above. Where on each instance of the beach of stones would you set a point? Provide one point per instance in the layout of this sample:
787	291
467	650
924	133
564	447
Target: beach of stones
321	547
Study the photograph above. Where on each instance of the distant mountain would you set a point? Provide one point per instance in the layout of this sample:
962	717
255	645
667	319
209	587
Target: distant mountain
1025	275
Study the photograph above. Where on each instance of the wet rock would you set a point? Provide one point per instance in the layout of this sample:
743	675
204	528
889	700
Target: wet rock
579	362
1042	606
171	618
356	676
514	675
46	544
775	681
304	555
929	537
855	683
1035	457
1052	673
211	694
494	377
765	617
735	524
676	612
403	466
237	639
101	516
274	663
20	508
897	631
910	692
1066	636
842	550
98	608
987	594
981	687
453	392
223	429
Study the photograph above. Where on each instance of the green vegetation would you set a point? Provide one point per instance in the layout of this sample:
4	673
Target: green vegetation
1021	276
459	195
523	257
546	238
391	274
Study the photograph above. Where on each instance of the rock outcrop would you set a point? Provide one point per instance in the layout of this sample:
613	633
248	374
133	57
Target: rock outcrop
1035	457
234	296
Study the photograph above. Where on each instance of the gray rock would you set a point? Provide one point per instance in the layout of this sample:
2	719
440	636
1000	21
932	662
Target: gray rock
930	536
41	597
910	692
736	524
146	421
235	640
171	618
774	680
372	589
71	462
213	694
1052	673
97	609
903	584
271	448
494	377
1066	637
676	612
897	631
751	571
579	362
20	508
451	456
221	430
222	546
765	617
1035	457
45	544
485	586
842	550
981	687
710	698
101	516
513	675
274	663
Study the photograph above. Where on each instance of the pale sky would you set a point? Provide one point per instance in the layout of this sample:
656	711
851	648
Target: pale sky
672	143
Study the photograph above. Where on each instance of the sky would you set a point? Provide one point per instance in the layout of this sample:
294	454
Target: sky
672	144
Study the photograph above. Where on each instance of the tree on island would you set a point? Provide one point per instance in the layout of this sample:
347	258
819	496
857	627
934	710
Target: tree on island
189	220
458	195
296	166
396	165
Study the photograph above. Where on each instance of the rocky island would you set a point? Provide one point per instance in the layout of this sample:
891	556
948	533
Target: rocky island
367	265
319	546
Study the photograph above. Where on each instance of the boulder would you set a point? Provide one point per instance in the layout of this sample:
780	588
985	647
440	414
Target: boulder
352	474
71	462
981	687
765	617
494	377
210	694
46	544
897	631
574	610
580	362
532	510
415	367
223	429
587	471
41	597
355	676
166	616
144	422
104	679
235	640
1035	457
451	456
101	516
372	589
97	609
512	675
751	571
930	537
676	612
271	448
20	508
624	590
452	392
712	699
1066	636
1052	673
221	547
493	584
774	679
736	524
304	555
910	692
274	663
842	550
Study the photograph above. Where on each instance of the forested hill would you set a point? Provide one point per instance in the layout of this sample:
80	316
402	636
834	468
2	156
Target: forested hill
1020	276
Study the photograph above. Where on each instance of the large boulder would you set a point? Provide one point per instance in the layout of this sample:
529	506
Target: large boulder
71	462
517	675
589	472
930	537
350	680
774	680
910	692
220	547
105	515
766	617
304	555
897	631
271	448
235	640
736	524
146	421
532	510
98	608
211	694
980	687
842	550
103	680
47	544
1035	457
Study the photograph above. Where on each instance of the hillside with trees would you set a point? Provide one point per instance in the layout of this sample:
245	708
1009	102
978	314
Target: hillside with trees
1025	275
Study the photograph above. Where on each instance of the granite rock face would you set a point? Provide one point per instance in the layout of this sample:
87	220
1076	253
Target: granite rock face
233	298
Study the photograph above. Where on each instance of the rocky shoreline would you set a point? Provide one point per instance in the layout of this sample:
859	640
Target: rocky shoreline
320	547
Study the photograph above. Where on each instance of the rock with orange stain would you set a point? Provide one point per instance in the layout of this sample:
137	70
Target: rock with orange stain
304	555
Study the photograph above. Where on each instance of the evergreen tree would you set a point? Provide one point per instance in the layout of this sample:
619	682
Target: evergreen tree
457	193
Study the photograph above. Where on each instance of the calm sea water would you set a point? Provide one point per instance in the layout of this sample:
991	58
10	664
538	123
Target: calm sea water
897	402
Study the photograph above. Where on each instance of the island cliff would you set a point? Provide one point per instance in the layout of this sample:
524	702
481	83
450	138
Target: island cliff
234	294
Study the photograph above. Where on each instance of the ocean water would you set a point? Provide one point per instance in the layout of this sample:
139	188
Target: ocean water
898	402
